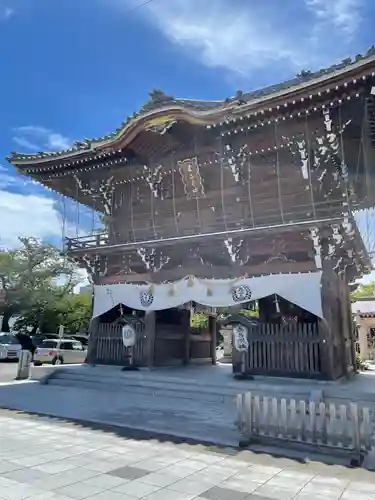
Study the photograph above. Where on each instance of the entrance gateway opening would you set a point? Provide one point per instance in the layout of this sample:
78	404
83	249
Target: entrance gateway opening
221	203
285	331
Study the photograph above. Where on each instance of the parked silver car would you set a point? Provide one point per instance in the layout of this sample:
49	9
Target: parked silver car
10	348
59	351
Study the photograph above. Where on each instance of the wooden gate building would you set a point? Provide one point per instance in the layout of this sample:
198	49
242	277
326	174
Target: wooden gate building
219	203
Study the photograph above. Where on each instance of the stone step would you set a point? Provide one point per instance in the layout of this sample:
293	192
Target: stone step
152	390
161	417
170	385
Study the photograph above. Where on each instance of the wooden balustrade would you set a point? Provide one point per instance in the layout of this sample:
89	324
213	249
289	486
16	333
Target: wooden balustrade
342	427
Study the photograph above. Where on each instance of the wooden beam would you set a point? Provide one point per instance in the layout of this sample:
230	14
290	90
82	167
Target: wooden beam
210	272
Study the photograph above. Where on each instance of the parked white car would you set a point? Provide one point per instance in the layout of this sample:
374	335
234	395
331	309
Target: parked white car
59	351
10	348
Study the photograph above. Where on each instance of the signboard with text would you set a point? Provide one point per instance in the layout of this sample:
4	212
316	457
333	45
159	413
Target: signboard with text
240	338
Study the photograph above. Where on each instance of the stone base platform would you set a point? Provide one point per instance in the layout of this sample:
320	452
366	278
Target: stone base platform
194	403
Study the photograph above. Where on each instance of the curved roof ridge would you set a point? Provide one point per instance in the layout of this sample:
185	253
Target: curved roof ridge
159	104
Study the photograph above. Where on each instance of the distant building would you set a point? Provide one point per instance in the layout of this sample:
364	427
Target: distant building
364	311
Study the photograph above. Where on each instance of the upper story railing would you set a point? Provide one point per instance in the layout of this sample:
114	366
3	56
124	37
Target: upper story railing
90	241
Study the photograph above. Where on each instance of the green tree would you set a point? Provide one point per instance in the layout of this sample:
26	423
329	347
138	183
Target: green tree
73	311
362	291
29	277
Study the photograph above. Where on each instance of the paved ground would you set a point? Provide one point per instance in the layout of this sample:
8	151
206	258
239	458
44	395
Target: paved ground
8	371
47	459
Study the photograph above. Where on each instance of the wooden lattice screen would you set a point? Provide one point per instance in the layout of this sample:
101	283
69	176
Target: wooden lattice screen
292	350
109	348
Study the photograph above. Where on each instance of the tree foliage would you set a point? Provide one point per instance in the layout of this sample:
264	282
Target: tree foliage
32	278
363	291
73	311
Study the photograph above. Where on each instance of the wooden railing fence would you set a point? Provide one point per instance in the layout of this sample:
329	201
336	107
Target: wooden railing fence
345	427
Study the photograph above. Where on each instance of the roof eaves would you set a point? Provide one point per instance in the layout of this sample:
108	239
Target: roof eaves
160	102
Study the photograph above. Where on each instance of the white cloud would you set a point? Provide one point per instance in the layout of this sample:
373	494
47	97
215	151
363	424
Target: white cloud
31	215
26	211
242	36
36	138
26	215
9	181
342	14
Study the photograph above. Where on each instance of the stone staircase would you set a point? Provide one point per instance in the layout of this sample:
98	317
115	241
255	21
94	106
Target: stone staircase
204	384
196	402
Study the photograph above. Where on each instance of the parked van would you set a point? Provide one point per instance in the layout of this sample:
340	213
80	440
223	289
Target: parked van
59	351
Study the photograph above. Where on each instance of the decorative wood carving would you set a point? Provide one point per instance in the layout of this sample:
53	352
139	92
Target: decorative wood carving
303	154
196	254
236	161
95	265
236	247
153	259
314	233
102	190
161	128
154	179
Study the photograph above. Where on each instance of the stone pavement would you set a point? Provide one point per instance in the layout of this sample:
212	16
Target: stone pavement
43	458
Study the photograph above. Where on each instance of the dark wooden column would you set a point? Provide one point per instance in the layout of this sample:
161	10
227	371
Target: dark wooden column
212	330
185	320
325	327
150	327
93	341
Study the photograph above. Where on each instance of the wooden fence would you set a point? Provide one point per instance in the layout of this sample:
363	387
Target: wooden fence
344	427
292	350
109	347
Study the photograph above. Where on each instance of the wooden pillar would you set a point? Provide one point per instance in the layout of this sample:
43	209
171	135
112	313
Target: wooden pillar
91	356
325	329
150	327
186	327
212	330
351	327
342	328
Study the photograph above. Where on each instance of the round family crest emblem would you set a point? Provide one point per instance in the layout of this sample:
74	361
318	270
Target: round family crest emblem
241	293
146	299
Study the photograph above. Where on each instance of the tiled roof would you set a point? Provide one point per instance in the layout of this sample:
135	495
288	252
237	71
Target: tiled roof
158	100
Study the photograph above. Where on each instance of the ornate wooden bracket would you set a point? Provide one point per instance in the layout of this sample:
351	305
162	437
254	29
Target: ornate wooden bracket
104	191
154	179
153	259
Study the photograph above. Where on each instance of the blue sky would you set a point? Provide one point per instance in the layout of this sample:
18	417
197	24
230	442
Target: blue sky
72	69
